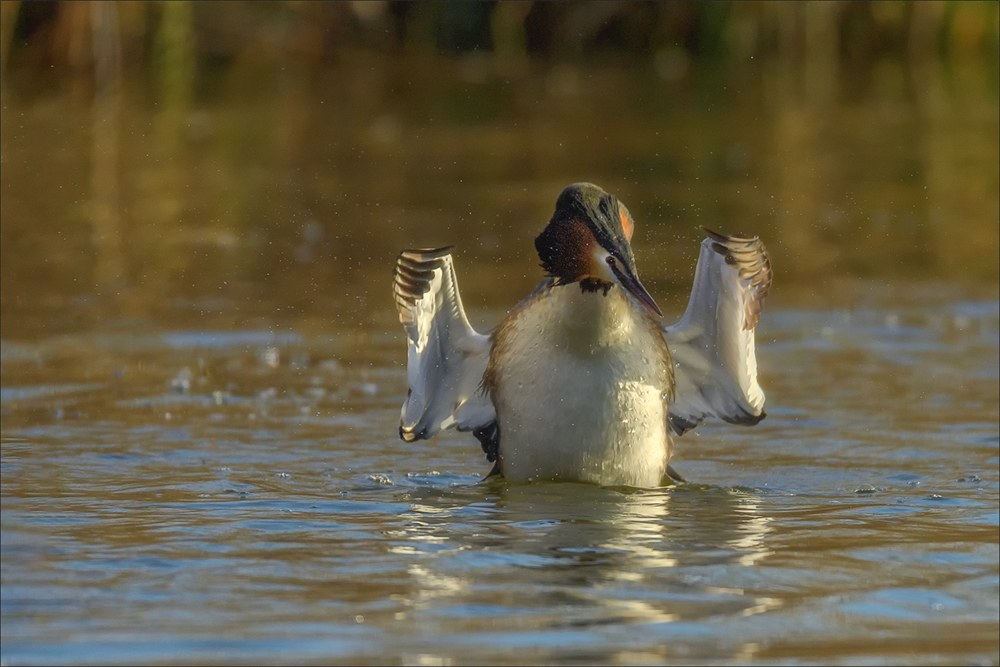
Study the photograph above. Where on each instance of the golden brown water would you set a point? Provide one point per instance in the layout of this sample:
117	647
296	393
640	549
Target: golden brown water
202	370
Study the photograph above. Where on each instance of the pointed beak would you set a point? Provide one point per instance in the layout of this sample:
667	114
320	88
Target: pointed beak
631	283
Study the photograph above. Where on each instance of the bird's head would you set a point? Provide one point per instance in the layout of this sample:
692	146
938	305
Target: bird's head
587	242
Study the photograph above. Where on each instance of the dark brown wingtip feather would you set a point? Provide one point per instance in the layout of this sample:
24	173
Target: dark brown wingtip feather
749	257
412	276
745	419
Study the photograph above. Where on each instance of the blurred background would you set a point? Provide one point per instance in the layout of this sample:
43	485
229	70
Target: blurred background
233	163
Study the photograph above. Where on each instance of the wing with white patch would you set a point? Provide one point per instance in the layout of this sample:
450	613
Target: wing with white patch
446	357
715	363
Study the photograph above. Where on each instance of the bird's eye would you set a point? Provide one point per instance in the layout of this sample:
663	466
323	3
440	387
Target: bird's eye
610	260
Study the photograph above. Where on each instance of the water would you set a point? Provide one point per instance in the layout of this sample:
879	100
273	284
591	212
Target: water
200	399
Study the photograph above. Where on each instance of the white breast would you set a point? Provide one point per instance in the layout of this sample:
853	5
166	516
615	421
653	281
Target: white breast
580	390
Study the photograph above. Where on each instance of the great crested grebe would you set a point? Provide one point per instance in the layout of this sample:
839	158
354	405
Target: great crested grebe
582	381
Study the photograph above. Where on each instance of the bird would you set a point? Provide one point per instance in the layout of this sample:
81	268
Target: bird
582	380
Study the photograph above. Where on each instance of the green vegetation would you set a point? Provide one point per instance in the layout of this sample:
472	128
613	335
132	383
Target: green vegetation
178	39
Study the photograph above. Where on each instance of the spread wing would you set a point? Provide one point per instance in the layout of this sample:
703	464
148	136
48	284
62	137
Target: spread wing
446	357
713	344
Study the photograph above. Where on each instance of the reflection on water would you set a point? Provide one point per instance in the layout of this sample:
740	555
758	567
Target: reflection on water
601	556
202	370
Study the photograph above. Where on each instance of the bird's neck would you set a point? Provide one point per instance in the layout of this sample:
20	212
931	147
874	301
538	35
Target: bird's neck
589	319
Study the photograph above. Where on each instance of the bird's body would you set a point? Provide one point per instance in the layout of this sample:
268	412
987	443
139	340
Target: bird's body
581	381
